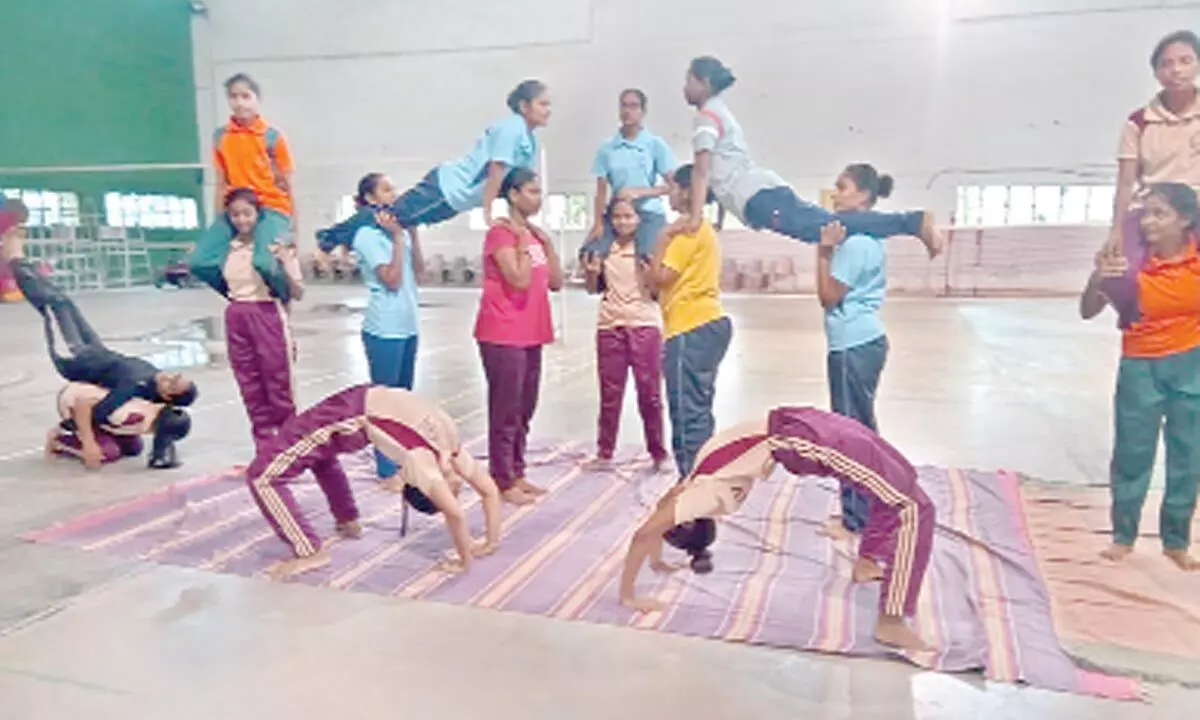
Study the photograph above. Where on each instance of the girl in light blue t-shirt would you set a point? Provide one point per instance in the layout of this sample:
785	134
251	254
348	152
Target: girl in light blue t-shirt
391	262
851	284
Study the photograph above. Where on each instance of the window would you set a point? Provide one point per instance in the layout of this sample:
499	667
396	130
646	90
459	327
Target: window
151	212
346	207
47	207
991	205
559	212
712	213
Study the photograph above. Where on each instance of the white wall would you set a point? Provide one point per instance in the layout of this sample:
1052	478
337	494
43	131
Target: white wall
933	91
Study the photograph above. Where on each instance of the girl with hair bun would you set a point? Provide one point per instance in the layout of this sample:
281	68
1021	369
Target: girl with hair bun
520	270
758	197
472	181
851	284
392	263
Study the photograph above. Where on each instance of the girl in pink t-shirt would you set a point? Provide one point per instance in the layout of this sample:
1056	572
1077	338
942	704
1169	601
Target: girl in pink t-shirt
520	270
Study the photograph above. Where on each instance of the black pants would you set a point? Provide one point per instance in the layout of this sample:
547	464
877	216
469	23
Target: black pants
690	364
55	308
853	379
423	204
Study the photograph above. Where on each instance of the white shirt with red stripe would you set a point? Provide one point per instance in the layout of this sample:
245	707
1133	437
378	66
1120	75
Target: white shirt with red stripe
135	417
416	434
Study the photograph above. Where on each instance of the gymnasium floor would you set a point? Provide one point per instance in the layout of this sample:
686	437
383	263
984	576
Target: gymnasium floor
1020	384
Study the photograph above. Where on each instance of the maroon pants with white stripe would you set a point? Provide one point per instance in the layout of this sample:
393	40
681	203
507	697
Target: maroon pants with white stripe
312	440
619	350
259	350
899	530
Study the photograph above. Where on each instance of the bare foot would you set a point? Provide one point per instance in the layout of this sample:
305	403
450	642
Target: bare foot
287	569
516	496
351	530
894	632
930	237
834	530
530	488
866	570
644	604
599	463
1116	552
392	484
659	466
666	568
482	548
1183	560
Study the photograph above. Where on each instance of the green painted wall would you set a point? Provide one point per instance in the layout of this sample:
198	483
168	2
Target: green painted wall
99	82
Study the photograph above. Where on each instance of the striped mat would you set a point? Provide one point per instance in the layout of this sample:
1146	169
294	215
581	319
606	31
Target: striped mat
777	582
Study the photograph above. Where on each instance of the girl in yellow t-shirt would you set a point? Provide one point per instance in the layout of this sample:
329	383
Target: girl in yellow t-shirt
686	271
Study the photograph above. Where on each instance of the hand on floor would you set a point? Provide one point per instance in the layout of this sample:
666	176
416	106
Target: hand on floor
666	568
482	548
644	604
453	566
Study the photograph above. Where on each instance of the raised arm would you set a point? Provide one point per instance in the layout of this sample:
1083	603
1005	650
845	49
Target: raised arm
599	208
418	257
1127	178
491	188
371	251
831	290
511	252
700	175
553	262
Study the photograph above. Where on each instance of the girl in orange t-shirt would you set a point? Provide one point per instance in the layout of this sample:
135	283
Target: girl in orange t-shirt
1158	383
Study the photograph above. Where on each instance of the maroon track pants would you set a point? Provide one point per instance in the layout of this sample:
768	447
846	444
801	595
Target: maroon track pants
514	375
619	350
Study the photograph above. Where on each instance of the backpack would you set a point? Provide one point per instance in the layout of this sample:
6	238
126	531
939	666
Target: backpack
272	137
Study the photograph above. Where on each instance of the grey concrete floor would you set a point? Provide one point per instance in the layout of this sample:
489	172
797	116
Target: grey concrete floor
1019	384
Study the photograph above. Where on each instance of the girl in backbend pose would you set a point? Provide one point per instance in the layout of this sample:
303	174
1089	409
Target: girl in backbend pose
1159	144
851	283
757	196
413	433
472	181
249	153
686	273
1158	383
896	542
627	333
520	270
391	262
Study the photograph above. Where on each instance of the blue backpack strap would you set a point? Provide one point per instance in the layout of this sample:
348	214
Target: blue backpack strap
272	141
272	138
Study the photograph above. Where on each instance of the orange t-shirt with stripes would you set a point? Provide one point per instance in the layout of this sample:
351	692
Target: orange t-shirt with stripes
244	160
1169	300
